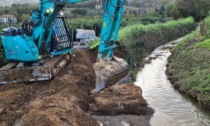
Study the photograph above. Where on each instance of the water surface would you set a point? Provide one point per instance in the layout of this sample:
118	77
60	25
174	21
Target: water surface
171	108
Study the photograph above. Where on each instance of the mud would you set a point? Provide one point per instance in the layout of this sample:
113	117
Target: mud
61	101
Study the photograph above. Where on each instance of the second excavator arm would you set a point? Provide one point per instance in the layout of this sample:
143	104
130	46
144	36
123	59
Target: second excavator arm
47	36
112	68
113	11
47	12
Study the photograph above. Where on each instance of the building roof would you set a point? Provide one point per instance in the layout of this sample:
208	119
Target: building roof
7	16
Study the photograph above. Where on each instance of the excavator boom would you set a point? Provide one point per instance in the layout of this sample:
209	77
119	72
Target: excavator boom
110	69
47	35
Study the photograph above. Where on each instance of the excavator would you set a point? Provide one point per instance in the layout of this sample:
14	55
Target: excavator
41	48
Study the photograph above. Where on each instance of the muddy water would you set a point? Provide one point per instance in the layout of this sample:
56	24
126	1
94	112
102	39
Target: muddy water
171	108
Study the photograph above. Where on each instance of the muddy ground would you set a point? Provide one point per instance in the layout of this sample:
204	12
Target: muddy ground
61	101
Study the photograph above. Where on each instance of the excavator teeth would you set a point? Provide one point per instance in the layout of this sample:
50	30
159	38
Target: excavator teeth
47	71
109	72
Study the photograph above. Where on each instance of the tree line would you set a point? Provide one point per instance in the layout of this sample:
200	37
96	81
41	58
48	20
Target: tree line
199	9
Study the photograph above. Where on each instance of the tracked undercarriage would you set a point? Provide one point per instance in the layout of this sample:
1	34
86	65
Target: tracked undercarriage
11	74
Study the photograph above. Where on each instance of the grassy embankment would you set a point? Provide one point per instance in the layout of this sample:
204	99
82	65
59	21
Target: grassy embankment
138	41
189	65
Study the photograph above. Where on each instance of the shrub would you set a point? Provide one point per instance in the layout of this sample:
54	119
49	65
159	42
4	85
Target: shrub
139	40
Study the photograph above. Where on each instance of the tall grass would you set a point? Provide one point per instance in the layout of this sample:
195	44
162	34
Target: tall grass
205	34
189	68
136	29
139	40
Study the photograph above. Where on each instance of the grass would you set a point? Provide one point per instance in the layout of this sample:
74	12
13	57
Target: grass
189	68
94	44
140	40
204	44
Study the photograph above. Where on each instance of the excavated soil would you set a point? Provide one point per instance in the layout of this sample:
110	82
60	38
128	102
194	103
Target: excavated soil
63	100
119	99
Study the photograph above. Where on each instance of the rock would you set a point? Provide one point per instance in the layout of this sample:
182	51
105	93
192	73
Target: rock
118	99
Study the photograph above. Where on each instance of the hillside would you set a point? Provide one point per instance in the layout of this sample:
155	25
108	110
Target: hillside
10	2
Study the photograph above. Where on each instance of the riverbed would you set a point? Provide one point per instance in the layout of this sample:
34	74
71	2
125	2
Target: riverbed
171	108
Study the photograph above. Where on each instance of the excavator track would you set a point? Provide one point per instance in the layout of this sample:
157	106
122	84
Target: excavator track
109	72
10	74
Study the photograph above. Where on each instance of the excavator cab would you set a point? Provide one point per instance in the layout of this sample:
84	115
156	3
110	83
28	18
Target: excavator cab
61	42
35	70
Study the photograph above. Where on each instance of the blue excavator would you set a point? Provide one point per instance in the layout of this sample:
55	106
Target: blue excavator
42	47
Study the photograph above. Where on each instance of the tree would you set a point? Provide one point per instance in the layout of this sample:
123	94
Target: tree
2	56
79	12
161	10
24	17
184	8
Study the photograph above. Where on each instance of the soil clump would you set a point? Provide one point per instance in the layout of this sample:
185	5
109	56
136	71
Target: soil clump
119	99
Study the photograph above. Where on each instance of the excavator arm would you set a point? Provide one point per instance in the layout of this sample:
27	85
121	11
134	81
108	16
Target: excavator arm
113	10
47	35
47	12
44	16
109	69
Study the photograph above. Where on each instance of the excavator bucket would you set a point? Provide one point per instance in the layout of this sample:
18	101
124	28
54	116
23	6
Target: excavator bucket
11	74
109	72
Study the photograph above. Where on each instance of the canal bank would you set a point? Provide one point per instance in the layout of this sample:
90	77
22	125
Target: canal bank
171	108
188	67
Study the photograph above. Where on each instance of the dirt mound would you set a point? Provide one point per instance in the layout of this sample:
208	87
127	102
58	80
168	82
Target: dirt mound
65	99
62	101
119	99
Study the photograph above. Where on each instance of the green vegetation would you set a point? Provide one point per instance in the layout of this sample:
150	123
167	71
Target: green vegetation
189	68
91	22
95	22
139	40
94	43
22	12
199	9
2	56
204	44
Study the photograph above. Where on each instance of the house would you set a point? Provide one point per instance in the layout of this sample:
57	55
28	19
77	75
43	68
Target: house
6	18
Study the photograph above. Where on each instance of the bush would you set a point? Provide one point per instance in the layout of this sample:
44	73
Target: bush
79	12
139	40
95	22
199	9
3	60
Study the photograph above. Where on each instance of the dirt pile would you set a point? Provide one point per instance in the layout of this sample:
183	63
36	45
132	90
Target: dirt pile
119	99
65	99
62	101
